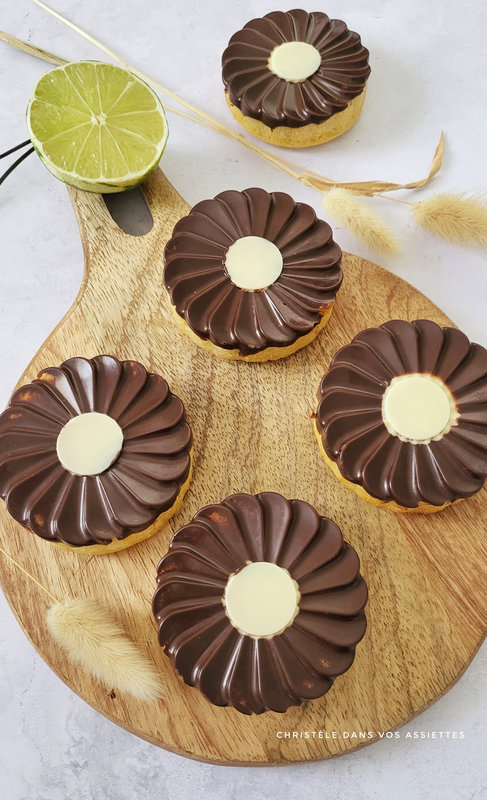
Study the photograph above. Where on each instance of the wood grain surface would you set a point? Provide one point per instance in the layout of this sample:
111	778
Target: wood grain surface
427	575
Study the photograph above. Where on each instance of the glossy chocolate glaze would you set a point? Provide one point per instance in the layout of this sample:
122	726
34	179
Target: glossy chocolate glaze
260	674
230	317
355	437
260	94
141	483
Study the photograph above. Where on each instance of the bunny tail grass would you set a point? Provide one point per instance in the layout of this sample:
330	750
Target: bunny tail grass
365	224
88	634
455	217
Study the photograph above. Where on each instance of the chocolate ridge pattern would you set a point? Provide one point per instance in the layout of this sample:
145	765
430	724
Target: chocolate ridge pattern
142	482
270	673
214	307
259	93
354	435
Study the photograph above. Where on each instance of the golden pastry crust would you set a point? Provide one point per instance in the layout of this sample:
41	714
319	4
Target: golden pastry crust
307	135
269	354
390	505
122	544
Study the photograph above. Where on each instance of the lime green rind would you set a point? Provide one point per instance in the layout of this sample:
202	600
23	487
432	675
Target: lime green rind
96	188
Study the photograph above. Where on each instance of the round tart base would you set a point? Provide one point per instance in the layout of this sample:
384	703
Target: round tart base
307	135
269	354
389	505
122	544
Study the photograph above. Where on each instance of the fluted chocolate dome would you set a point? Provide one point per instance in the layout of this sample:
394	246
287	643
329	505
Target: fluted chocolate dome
142	481
397	465
259	93
250	671
233	317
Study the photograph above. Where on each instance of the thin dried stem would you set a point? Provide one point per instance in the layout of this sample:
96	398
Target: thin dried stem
394	199
19	566
82	33
31	49
371	188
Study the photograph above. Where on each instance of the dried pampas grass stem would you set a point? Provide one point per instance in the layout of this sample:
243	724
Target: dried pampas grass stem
93	639
365	224
455	217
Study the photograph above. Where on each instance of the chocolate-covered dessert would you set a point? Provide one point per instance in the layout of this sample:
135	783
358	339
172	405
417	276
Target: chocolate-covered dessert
402	416
260	602
252	275
295	78
95	454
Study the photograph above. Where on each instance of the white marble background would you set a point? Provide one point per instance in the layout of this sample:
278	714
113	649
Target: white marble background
429	73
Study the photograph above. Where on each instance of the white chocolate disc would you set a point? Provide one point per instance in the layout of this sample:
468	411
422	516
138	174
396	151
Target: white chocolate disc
89	443
294	61
418	407
261	599
253	262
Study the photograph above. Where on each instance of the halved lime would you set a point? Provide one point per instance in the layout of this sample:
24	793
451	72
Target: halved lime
96	126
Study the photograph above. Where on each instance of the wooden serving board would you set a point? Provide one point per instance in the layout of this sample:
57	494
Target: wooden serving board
427	575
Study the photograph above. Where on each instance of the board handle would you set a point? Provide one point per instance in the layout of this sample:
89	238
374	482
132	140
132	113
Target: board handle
104	242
